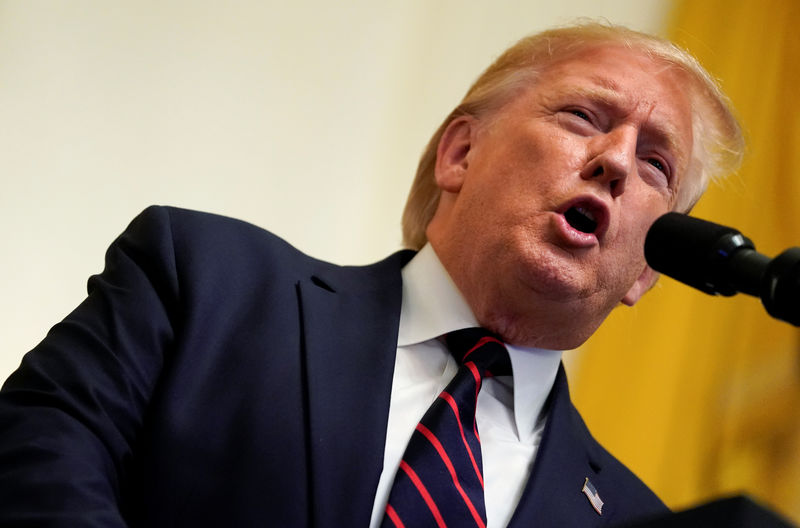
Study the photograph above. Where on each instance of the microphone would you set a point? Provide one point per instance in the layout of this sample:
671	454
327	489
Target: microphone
719	260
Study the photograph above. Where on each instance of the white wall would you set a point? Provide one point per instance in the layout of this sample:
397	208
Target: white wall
304	117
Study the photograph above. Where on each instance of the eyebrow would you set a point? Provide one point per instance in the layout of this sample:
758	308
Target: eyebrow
605	92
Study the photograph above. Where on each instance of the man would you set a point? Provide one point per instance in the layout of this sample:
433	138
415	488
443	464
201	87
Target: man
216	376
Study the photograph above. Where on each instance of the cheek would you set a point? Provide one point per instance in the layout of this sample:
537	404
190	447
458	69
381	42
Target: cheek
542	143
643	206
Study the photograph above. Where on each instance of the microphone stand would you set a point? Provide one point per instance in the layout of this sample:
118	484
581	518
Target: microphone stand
742	269
780	287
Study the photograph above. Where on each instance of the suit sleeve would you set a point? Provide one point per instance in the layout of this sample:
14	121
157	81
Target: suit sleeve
71	414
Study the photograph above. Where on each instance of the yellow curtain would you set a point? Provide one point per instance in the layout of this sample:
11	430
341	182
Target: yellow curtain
700	395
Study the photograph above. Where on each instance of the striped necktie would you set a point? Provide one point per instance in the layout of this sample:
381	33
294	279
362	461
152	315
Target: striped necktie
440	479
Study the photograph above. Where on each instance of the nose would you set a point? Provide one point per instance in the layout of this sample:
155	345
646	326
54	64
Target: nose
612	158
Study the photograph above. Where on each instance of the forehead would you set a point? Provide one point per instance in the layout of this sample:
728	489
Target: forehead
629	80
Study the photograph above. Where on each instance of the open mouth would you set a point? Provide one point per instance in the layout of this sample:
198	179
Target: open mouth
582	219
587	214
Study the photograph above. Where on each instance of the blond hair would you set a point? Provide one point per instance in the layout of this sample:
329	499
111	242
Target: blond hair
718	145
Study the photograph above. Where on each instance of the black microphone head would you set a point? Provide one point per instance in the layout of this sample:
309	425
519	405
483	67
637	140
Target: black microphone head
693	251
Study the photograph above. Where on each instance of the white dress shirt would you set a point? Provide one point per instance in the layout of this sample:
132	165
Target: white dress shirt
510	413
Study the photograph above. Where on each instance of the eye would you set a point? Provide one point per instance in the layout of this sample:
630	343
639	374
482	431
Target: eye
580	113
579	121
657	164
661	173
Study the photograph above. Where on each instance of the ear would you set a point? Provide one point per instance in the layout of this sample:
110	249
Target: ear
645	281
452	153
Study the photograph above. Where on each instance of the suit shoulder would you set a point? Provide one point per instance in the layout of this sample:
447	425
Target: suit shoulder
203	224
216	242
219	237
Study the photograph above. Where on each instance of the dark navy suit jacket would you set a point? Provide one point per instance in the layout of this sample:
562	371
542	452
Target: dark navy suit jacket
216	376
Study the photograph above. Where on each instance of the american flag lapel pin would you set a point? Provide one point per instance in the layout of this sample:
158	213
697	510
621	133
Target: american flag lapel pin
594	499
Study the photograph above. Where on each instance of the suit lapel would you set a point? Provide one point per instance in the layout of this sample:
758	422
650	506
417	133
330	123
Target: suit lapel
350	321
553	496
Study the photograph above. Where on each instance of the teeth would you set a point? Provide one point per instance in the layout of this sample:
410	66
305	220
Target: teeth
581	219
585	212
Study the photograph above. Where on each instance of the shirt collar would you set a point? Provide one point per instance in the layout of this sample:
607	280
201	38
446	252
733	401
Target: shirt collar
432	306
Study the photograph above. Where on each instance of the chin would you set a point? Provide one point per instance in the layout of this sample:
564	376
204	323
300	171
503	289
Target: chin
551	278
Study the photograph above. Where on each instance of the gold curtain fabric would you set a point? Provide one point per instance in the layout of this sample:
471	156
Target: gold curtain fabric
700	395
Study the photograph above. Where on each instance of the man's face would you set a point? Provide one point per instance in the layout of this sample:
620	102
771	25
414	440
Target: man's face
546	202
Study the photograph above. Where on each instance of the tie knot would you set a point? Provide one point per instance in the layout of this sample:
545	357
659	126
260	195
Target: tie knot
482	347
